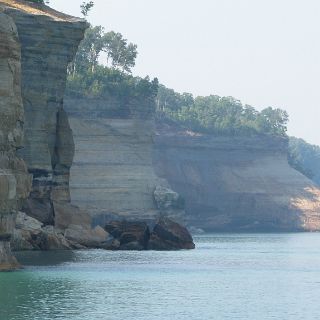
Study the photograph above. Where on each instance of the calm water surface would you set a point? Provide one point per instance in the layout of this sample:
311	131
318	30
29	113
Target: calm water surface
247	276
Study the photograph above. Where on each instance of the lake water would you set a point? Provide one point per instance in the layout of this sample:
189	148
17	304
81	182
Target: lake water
228	276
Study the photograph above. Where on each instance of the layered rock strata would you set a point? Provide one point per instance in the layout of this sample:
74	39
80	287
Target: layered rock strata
15	183
237	184
112	174
48	41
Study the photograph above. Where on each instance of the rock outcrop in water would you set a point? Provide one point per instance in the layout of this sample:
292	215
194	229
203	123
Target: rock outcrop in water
165	235
169	235
15	183
237	184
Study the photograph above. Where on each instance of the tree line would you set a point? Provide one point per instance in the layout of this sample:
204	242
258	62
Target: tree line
218	115
102	68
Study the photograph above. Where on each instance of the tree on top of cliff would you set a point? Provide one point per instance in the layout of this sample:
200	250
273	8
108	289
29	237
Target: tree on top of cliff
102	69
218	115
86	7
118	53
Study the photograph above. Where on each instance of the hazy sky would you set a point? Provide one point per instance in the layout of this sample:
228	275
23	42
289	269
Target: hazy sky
263	52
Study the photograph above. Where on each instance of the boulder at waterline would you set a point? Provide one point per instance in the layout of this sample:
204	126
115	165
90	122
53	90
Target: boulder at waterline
131	235
169	235
166	235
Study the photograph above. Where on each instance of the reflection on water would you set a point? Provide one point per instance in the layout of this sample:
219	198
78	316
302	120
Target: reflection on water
255	276
45	258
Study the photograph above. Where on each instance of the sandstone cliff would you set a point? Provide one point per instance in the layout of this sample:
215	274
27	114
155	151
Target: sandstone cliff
15	183
48	41
237	184
112	173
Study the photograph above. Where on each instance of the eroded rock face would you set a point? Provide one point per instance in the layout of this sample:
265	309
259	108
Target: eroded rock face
48	41
169	203
15	183
237	184
112	173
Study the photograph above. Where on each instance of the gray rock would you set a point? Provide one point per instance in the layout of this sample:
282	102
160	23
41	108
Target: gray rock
90	238
27	223
167	199
29	234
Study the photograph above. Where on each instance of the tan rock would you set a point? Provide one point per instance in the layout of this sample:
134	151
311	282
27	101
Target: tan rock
15	183
87	237
48	42
237	183
112	172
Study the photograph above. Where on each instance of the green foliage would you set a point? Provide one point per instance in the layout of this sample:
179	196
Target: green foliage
88	77
305	158
118	53
218	115
86	7
102	67
104	82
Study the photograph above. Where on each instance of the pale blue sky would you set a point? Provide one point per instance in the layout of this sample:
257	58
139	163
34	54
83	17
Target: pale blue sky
263	52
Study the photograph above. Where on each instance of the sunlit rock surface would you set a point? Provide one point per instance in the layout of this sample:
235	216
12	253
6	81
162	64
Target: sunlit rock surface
15	183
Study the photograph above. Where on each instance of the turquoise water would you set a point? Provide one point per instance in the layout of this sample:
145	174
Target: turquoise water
247	276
